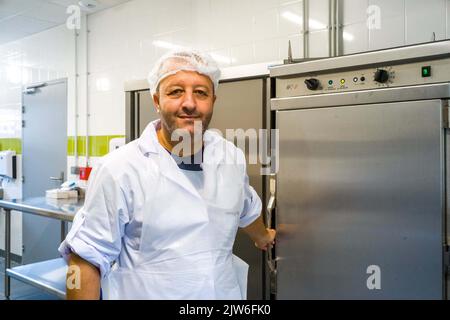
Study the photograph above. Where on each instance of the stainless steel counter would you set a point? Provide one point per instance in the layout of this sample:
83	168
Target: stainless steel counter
61	209
36	274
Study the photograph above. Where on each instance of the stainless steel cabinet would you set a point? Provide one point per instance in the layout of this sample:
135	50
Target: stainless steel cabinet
239	105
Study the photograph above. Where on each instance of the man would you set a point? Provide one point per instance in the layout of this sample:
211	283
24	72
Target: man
157	225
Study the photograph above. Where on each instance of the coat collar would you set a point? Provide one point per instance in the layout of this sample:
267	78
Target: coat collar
150	147
148	141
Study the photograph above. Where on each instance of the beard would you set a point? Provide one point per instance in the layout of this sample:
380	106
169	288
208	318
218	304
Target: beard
185	134
172	122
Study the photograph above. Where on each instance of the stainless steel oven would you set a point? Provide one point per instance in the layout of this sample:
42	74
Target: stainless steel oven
361	186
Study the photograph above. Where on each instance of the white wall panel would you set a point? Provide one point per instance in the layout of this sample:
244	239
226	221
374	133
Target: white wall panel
354	11
318	44
447	18
266	50
219	19
266	24
355	38
390	8
243	54
423	18
291	26
391	33
319	11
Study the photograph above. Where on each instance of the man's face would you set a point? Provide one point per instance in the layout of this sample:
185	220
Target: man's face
183	98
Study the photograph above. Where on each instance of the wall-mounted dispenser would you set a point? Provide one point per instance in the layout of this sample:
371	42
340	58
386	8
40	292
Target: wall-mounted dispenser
8	164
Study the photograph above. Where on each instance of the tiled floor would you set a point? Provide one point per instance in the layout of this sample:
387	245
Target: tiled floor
20	290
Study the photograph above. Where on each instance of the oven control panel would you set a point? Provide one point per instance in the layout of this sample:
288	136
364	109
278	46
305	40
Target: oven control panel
382	76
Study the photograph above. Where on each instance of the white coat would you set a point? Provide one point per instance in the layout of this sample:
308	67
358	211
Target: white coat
153	235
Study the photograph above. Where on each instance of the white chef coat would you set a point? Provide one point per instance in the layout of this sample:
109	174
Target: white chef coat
164	240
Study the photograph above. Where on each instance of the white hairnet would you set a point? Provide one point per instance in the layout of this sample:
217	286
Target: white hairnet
187	60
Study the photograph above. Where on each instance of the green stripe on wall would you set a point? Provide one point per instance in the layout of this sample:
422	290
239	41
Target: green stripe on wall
14	144
98	145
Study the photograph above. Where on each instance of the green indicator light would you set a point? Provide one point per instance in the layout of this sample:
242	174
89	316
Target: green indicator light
330	82
426	71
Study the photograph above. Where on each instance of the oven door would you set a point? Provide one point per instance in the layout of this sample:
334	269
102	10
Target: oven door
360	202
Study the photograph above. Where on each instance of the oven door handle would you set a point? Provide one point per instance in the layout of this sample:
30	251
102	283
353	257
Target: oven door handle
269	213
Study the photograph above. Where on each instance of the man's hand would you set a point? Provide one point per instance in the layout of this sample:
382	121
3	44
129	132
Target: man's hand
267	240
263	237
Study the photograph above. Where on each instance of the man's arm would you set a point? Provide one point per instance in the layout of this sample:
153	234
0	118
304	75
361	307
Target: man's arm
83	280
262	236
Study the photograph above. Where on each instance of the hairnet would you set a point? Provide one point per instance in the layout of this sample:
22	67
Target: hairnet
186	60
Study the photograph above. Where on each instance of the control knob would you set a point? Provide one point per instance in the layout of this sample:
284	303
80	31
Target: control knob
381	76
312	84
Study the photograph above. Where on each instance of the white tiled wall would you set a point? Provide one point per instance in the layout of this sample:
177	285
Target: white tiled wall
402	22
355	38
391	31
379	38
354	11
431	13
318	14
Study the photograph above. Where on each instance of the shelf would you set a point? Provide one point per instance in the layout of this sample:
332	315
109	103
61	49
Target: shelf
49	276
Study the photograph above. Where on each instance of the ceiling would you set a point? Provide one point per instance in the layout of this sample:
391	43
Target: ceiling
21	18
